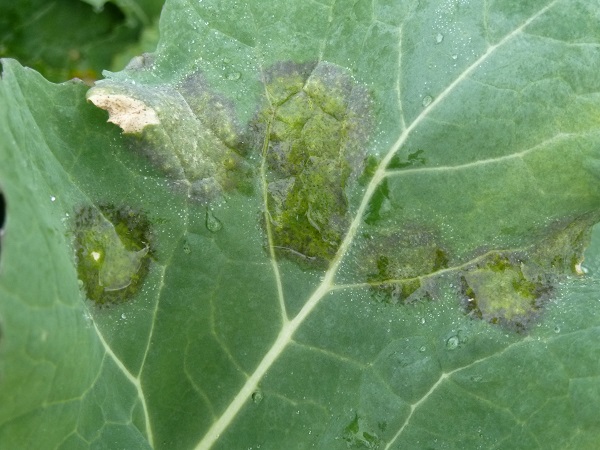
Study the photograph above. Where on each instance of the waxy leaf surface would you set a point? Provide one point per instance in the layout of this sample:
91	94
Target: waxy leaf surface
309	225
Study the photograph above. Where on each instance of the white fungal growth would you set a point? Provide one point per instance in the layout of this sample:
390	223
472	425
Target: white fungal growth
130	114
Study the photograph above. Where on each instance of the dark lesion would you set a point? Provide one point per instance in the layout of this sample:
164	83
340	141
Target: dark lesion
511	288
313	149
113	250
414	159
504	289
399	263
198	144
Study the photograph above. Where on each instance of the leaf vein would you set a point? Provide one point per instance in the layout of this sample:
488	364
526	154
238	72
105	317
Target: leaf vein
474	164
289	328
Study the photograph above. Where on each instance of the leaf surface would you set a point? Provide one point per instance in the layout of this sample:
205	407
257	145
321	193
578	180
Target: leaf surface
325	224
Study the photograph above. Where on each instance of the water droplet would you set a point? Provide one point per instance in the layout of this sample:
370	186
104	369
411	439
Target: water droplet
212	223
52	198
427	100
123	316
452	343
580	269
439	38
422	348
232	76
186	248
557	329
423	320
455	57
257	396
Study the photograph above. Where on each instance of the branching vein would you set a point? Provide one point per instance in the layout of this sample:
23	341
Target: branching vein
482	162
443	377
132	379
289	327
399	78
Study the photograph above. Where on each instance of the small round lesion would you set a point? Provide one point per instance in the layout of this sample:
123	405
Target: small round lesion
112	249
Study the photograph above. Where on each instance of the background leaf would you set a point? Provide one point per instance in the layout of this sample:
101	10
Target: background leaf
63	39
481	168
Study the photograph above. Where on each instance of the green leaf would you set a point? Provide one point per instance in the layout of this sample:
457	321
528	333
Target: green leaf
64	39
331	225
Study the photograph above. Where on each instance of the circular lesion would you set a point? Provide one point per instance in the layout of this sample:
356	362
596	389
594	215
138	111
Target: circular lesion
113	248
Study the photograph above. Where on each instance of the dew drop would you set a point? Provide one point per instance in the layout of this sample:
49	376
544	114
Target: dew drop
557	329
233	76
52	198
455	57
257	396
422	348
186	248
452	343
439	38
427	100
212	223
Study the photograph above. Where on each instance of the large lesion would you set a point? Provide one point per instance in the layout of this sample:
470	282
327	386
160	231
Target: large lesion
184	128
316	122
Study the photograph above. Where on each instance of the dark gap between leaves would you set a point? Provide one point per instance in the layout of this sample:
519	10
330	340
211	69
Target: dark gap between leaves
2	218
